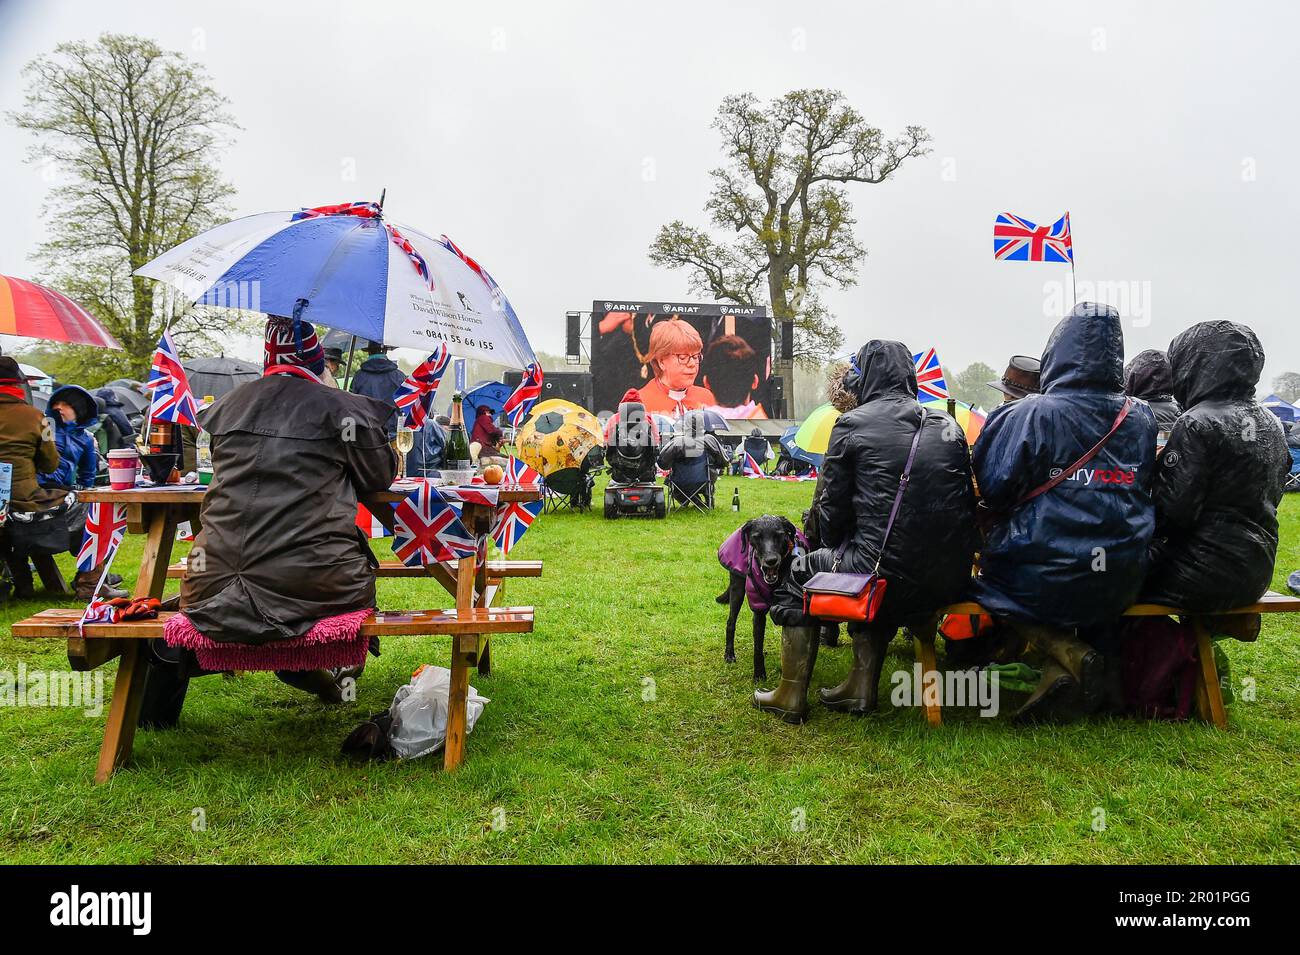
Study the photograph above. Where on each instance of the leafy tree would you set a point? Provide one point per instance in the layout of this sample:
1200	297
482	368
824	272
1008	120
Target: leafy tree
133	131
1287	386
971	385
783	196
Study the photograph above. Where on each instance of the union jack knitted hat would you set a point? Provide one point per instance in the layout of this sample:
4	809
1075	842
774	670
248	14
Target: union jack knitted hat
292	341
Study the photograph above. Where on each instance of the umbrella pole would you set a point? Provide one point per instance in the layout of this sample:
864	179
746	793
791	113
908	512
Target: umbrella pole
347	372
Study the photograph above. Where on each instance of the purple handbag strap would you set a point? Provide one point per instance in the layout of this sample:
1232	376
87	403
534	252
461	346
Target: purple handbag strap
898	500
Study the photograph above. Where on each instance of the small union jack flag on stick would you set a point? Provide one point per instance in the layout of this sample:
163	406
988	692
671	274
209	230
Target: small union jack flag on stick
172	399
1018	240
929	375
523	398
427	530
414	396
105	527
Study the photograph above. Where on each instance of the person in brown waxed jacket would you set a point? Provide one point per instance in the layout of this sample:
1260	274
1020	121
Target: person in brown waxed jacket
280	548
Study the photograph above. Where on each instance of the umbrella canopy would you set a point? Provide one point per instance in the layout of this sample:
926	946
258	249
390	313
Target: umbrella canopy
814	434
357	272
34	311
36	377
132	400
557	440
1284	410
797	453
490	393
971	419
714	421
219	376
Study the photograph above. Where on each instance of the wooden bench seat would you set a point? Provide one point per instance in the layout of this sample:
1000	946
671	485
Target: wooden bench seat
1209	696
61	623
496	569
100	642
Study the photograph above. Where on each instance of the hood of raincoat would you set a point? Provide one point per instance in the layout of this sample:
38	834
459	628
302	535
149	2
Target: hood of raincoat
80	400
1085	351
1217	359
881	368
1148	376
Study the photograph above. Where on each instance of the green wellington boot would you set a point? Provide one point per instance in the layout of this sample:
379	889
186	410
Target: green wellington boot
857	694
790	698
1086	665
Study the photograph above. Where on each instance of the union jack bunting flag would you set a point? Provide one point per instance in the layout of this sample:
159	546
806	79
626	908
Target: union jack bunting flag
485	494
105	526
929	375
523	398
414	396
370	524
511	522
172	399
1019	240
428	530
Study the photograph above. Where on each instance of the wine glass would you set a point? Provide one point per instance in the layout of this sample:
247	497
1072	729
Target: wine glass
405	442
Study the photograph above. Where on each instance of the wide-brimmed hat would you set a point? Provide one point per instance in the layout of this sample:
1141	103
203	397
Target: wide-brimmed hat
1020	378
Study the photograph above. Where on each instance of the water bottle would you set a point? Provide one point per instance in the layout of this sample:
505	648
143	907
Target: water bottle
735	500
203	443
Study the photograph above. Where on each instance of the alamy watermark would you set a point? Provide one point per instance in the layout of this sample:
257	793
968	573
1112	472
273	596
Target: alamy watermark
84	691
973	688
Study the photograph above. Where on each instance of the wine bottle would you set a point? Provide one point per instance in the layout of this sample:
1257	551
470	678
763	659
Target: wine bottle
735	499
457	451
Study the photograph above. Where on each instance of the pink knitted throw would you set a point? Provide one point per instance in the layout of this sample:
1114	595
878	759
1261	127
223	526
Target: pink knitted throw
331	642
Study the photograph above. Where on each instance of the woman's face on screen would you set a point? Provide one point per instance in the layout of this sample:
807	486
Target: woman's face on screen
677	371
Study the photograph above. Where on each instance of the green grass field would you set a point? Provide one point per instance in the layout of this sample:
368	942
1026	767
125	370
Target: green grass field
579	766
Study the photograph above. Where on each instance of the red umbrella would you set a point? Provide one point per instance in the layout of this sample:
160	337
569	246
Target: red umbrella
34	311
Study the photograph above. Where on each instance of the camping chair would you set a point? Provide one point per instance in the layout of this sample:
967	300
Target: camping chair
691	483
755	446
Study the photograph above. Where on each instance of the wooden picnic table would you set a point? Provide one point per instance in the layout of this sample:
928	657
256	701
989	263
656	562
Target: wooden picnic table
157	513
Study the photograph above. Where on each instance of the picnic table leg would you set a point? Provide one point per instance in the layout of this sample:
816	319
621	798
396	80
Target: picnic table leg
1209	696
128	690
923	641
463	649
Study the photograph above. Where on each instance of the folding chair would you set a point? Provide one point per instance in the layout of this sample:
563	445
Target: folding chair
1293	479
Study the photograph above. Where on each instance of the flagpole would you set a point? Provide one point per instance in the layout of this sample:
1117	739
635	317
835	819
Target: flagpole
1074	285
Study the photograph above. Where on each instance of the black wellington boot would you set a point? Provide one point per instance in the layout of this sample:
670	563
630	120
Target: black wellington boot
1055	691
790	698
857	694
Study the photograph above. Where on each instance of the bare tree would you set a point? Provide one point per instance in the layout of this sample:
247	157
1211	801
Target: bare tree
783	196
132	131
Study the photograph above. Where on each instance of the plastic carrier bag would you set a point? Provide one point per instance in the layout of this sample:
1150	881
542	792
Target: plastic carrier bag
419	712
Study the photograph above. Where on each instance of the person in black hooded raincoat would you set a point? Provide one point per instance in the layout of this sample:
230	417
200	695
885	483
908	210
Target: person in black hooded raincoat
1076	555
1148	376
1220	477
927	559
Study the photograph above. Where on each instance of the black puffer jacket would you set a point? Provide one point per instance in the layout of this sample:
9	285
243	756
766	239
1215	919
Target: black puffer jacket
927	559
1220	478
1075	555
1148	376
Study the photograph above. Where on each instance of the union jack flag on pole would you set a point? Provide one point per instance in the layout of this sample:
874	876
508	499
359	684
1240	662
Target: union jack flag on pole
427	530
414	396
105	527
523	398
1018	240
929	376
172	399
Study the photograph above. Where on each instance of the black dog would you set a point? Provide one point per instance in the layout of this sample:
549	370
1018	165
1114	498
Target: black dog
769	544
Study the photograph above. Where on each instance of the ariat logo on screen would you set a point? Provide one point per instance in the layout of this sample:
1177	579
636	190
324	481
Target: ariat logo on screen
1092	477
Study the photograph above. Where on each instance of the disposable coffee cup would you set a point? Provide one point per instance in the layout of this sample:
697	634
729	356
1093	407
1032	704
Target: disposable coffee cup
122	467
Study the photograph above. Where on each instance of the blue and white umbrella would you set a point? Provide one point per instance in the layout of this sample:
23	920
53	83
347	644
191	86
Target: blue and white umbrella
355	271
796	452
490	393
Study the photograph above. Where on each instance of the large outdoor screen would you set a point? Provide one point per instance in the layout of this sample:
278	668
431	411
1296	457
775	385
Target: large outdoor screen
682	357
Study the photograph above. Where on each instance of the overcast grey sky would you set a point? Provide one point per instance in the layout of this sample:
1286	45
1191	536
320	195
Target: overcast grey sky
552	139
